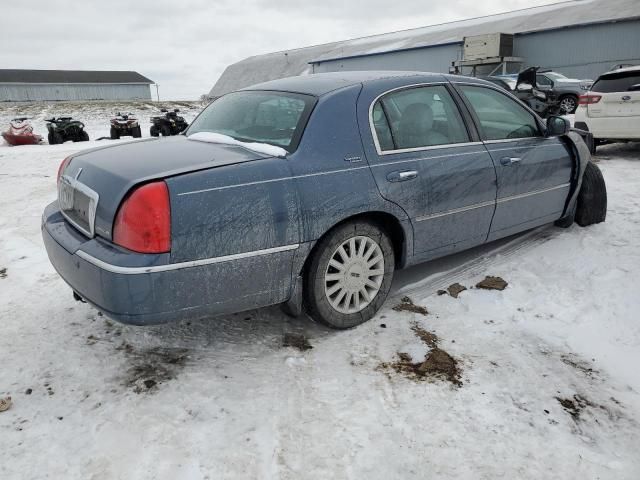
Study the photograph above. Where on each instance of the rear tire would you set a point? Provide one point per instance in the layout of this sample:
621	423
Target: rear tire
154	131
114	133
592	200
136	132
349	275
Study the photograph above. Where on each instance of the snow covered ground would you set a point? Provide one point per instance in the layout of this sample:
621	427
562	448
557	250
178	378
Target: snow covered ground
229	401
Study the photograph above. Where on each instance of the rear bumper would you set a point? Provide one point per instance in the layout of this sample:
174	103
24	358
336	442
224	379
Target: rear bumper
621	128
143	289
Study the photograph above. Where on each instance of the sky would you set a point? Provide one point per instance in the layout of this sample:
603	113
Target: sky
184	46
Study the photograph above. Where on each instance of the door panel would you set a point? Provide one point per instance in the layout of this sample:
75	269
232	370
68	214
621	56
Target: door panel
428	166
533	183
533	171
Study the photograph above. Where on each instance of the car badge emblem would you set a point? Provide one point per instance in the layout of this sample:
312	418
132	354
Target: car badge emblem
626	98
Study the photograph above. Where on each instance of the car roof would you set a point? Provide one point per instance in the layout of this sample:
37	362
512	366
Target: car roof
318	84
622	70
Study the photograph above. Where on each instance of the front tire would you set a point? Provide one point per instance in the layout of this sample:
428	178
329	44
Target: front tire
165	130
114	133
154	131
83	136
592	200
349	275
136	132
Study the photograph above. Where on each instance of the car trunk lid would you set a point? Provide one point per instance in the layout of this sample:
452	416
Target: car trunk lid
95	181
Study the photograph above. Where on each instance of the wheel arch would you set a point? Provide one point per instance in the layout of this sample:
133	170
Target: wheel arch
400	235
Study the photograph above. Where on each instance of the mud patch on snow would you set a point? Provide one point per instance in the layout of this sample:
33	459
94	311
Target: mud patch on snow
578	404
3	272
437	364
407	305
151	367
492	283
455	289
297	341
580	365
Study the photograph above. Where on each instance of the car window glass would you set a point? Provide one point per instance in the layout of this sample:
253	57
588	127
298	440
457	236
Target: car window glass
275	118
618	82
381	126
500	116
543	81
421	117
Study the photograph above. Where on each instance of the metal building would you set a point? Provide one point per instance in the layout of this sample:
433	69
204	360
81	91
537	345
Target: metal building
36	85
579	38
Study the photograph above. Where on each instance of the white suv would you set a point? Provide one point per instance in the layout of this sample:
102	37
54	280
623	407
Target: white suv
611	109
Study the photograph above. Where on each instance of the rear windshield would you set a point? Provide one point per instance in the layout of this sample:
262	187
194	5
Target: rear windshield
617	82
275	118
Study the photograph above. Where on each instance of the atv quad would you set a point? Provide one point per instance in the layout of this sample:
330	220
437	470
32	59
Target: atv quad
168	124
63	129
123	125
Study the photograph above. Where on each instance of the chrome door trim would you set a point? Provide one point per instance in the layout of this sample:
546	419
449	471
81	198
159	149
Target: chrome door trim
533	192
177	266
491	202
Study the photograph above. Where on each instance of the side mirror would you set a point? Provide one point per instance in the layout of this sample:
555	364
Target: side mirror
557	126
524	87
539	95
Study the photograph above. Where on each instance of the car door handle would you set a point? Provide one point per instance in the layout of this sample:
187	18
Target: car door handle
402	176
509	160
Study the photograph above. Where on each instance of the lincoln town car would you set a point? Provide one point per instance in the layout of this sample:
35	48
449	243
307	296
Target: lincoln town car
310	192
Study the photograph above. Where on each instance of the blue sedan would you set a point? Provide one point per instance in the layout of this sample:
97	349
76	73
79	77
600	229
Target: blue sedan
310	192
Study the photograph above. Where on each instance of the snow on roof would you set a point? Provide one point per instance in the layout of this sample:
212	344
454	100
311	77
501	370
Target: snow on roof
288	63
71	76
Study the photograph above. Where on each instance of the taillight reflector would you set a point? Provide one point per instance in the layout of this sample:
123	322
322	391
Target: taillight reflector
143	221
589	99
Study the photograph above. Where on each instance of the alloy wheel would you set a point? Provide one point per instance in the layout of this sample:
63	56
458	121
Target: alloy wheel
354	274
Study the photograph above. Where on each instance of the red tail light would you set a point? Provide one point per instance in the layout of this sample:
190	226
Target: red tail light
143	222
62	166
589	99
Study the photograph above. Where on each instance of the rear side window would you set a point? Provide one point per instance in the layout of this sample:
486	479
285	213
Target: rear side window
418	117
617	82
500	116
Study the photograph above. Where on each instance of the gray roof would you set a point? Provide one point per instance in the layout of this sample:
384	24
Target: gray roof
261	68
71	76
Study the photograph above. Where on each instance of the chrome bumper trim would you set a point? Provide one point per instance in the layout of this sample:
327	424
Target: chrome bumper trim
177	266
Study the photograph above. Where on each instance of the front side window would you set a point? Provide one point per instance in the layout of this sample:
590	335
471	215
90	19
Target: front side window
275	118
543	81
500	116
417	117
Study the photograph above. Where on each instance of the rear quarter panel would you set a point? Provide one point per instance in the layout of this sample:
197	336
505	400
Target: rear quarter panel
330	171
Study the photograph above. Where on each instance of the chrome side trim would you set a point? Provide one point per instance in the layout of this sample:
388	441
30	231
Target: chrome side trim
430	147
177	266
490	203
459	154
533	192
259	182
